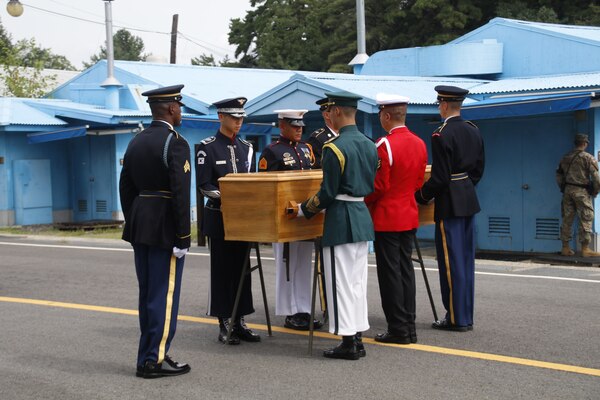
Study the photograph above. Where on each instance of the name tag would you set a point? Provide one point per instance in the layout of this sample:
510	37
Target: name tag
221	162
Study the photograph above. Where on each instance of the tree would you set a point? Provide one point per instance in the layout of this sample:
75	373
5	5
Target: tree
125	47
31	55
20	79
315	35
205	60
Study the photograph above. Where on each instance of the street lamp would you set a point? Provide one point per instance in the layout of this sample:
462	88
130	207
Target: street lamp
14	8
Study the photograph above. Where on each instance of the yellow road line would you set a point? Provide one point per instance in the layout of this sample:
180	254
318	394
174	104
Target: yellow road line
417	347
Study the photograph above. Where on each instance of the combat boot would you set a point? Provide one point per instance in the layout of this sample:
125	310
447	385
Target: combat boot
566	250
587	252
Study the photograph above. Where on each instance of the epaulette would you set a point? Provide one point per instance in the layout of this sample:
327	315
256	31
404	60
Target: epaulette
470	123
332	139
318	132
208	140
247	143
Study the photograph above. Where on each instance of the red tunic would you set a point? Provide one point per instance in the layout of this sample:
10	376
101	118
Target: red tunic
403	158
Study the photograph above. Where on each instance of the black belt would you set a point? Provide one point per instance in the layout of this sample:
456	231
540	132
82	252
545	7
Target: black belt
164	194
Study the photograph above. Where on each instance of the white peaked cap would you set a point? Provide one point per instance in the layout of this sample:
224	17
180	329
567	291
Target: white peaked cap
385	99
291	114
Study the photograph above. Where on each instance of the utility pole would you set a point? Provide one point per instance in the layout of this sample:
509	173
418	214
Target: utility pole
174	39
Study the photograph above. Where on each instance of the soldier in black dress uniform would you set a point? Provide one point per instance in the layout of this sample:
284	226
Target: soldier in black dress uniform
292	295
322	135
218	156
457	166
155	198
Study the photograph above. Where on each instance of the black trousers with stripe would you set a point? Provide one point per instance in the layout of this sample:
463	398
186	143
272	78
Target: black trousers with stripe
396	277
159	277
455	248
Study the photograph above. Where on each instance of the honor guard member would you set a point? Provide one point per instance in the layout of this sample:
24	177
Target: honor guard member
155	199
577	178
349	164
457	166
402	162
292	295
218	156
322	135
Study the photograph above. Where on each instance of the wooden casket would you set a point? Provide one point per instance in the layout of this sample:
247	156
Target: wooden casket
426	211
253	206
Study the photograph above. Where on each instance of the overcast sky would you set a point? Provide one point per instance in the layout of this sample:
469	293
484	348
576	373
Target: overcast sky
204	23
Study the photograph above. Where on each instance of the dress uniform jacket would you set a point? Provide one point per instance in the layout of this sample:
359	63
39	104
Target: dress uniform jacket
392	204
155	188
316	141
349	165
286	155
218	156
458	163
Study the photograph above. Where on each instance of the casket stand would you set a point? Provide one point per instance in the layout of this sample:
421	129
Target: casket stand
254	210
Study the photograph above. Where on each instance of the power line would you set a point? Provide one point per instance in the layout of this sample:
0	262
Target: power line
186	37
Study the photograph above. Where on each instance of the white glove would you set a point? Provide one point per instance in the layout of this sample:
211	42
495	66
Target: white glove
177	252
300	213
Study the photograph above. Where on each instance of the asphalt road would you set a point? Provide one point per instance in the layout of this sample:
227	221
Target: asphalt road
69	330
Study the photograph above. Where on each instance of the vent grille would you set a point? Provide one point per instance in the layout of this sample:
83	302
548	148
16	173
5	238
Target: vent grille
499	226
547	228
82	206
101	206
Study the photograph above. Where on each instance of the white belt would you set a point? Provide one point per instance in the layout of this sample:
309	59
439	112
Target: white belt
345	197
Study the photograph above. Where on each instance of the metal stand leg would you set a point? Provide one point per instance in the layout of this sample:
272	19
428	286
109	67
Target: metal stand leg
311	327
420	261
246	270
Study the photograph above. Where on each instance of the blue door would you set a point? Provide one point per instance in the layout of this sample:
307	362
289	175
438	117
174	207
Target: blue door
92	178
519	198
33	192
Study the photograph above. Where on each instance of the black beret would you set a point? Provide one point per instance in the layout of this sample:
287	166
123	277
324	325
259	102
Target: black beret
164	94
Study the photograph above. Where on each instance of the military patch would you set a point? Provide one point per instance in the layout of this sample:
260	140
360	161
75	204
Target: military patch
208	140
186	167
262	164
200	156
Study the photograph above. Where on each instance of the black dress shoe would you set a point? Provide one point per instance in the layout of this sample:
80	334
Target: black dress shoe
412	331
445	325
139	372
296	322
245	333
223	326
316	323
343	352
168	367
388	337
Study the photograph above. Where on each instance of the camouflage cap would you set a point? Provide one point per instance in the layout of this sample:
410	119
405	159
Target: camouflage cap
581	138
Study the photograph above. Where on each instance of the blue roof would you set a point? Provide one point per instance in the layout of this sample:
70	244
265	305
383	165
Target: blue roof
17	111
588	34
539	83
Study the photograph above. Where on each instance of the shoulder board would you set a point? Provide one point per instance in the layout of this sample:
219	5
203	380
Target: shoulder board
332	139
247	143
470	123
208	140
318	132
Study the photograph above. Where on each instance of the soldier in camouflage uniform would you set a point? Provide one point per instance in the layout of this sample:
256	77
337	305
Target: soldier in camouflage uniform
578	180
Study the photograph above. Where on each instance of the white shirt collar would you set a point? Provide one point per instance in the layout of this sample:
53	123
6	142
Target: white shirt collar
165	122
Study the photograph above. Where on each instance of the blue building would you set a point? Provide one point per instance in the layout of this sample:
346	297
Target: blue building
533	87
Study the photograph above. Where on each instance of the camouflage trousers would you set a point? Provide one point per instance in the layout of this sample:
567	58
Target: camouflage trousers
576	201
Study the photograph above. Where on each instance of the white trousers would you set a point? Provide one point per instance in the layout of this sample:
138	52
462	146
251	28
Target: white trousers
293	296
346	286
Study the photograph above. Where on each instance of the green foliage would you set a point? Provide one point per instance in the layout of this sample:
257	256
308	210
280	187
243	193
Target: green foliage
127	47
22	77
316	35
